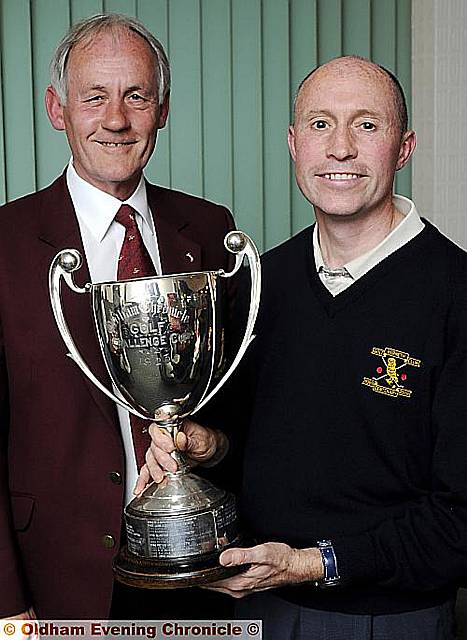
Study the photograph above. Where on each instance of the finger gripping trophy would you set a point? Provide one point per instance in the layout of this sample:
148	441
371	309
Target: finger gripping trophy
162	342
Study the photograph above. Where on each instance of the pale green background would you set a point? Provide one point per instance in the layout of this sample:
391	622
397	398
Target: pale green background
236	65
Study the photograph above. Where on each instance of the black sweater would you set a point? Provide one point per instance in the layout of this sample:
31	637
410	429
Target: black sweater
354	411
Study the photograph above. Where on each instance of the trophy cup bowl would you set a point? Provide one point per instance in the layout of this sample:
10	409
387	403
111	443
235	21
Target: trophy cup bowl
162	340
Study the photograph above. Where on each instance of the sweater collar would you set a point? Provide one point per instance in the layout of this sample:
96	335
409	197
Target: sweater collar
407	229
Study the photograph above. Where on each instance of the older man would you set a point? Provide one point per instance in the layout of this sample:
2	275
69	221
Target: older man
353	399
67	458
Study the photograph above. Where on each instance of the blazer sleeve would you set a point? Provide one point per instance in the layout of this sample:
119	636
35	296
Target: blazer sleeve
12	589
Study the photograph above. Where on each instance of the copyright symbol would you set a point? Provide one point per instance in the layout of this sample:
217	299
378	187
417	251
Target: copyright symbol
252	629
9	628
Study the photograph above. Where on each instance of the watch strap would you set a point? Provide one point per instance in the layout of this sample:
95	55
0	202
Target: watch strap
329	560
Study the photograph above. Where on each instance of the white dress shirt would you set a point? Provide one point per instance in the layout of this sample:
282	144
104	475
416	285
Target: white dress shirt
337	280
102	240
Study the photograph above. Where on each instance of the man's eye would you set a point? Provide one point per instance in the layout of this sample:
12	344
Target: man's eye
368	126
135	97
94	99
319	124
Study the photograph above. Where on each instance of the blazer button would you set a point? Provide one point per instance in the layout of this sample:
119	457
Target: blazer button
108	541
115	477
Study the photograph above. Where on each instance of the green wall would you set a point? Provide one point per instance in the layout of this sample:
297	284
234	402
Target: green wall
236	65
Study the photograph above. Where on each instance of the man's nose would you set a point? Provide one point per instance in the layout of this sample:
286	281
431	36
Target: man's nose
341	144
116	116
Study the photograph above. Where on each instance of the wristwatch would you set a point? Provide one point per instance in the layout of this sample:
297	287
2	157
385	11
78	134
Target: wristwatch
328	557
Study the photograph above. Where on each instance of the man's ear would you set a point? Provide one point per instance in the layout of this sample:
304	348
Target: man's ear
54	109
163	112
291	141
408	144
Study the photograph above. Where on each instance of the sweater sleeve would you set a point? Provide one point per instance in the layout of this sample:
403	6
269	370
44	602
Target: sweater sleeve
425	547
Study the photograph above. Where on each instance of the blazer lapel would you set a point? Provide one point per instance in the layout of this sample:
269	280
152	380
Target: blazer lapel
178	253
59	230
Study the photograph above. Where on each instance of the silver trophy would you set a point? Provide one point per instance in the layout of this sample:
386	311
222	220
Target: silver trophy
162	339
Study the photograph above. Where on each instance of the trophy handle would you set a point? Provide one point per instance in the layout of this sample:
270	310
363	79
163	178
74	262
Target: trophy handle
242	245
63	265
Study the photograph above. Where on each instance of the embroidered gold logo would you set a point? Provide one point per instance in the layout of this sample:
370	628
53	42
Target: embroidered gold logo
391	375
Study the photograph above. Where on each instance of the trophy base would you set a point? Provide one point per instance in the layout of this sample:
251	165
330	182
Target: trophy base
176	531
147	573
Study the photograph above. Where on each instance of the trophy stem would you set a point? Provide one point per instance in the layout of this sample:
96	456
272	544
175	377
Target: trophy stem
173	429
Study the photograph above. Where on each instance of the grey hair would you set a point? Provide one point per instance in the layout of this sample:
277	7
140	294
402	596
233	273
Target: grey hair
84	30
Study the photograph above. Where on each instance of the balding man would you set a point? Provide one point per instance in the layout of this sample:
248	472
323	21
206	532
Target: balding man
353	398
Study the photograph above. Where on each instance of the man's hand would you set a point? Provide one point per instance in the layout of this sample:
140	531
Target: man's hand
199	444
272	564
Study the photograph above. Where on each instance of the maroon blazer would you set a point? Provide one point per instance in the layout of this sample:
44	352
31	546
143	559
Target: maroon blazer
60	441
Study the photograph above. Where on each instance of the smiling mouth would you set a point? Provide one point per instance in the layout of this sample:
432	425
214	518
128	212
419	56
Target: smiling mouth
341	176
103	143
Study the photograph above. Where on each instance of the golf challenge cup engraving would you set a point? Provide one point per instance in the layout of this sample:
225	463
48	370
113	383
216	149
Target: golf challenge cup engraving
162	340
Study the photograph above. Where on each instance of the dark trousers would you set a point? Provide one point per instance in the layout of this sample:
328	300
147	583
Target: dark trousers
285	621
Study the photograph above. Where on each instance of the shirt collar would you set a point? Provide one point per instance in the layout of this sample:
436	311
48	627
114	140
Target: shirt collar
97	209
407	229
